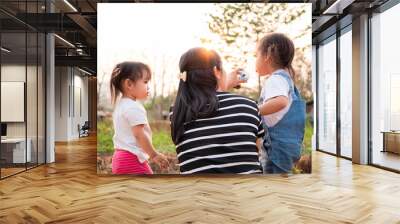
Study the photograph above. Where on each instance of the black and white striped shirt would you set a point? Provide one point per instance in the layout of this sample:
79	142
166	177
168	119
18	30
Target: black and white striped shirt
225	143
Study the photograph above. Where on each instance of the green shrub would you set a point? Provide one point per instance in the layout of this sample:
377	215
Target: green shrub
105	134
307	137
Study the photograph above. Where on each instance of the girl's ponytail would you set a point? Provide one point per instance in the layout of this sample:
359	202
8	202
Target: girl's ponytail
115	84
291	71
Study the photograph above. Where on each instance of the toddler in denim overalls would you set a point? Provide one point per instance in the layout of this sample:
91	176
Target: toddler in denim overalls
281	105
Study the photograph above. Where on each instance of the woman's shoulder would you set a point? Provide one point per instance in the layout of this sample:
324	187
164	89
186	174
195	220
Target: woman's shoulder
236	98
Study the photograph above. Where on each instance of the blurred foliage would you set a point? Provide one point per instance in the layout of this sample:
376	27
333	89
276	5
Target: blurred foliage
307	142
161	136
162	141
240	26
158	108
105	134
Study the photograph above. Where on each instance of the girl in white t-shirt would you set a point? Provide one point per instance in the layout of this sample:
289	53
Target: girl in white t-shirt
280	104
132	134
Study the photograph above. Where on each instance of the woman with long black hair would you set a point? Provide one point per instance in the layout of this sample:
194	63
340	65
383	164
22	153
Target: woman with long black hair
214	131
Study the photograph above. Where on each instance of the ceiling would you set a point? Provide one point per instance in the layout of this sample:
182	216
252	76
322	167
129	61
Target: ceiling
74	22
330	15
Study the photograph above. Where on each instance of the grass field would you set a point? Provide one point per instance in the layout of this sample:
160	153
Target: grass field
162	137
163	143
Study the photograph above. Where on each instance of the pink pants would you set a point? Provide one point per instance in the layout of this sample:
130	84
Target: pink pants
124	162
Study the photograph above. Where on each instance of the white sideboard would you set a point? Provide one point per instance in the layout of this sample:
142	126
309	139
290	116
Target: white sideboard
19	155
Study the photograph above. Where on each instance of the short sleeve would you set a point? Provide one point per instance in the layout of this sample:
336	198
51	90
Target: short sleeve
135	115
275	86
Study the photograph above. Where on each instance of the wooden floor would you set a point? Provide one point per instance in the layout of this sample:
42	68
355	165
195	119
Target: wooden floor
387	159
5	172
70	191
10	171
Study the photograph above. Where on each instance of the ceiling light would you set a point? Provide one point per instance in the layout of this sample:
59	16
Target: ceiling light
5	50
64	40
86	72
70	5
338	6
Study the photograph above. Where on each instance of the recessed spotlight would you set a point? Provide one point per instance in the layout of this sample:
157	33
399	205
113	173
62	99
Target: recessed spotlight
5	50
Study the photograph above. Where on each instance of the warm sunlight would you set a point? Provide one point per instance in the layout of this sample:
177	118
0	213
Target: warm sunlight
158	34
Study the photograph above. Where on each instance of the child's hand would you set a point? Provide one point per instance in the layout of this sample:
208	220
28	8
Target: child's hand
160	160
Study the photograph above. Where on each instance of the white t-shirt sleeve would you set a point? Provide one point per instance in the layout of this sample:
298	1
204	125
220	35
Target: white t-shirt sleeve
135	115
275	86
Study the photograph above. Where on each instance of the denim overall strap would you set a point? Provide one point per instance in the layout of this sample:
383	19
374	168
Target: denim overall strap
286	137
292	89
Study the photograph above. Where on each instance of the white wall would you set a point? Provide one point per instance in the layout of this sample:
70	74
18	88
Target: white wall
12	73
62	81
70	83
80	96
33	127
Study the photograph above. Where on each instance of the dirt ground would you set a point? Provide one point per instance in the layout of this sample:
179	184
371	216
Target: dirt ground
104	164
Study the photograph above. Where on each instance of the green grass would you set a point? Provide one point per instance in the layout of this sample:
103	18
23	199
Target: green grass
162	141
307	137
161	138
105	133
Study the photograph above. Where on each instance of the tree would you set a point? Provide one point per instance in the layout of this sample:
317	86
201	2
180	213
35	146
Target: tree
164	66
100	85
239	26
